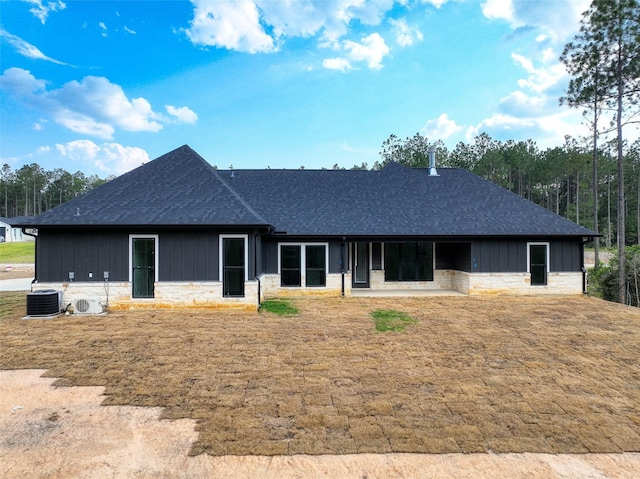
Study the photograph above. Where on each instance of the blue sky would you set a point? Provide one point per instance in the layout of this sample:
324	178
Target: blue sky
103	86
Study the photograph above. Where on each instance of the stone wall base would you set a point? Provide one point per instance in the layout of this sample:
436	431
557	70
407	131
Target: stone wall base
117	295
520	283
270	287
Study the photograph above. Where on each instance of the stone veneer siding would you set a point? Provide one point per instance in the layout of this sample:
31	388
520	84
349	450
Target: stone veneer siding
167	295
270	287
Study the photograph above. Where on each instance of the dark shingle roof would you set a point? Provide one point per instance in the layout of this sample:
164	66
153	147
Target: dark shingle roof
393	201
180	188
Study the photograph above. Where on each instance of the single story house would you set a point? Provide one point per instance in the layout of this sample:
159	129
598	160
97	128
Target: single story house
178	232
10	233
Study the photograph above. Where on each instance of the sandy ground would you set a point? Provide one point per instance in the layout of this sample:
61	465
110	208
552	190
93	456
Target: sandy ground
59	432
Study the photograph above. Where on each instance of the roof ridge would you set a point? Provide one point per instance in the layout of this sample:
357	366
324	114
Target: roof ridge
234	193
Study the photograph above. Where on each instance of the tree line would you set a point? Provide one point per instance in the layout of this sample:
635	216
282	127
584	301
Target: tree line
32	190
559	178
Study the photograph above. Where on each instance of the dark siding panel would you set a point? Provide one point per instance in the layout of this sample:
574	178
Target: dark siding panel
499	256
270	257
455	256
82	253
188	256
565	255
376	256
335	251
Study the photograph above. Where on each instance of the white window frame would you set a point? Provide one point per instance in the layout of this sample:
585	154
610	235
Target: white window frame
303	260
539	243
246	254
156	245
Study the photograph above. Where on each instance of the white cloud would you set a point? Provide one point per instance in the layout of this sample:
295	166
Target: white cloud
542	77
26	49
93	106
405	35
441	127
547	130
111	158
498	10
42	11
261	25
436	3
232	24
558	22
341	64
371	51
182	114
520	104
103	29
130	31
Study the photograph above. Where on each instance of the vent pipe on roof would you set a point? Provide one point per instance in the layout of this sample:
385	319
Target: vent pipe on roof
432	162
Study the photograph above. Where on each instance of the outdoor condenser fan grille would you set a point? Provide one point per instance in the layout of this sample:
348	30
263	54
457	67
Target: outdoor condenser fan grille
82	305
87	306
44	302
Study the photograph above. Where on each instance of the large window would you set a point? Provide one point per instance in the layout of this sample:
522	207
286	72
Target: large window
408	261
303	264
538	263
290	271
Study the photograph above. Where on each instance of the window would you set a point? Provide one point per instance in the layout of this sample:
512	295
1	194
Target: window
290	274
538	263
408	261
303	264
233	265
315	265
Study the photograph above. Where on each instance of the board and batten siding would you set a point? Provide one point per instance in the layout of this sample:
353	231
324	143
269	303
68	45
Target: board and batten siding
82	252
510	256
189	255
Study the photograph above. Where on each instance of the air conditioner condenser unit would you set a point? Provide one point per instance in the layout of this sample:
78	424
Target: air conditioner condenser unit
87	306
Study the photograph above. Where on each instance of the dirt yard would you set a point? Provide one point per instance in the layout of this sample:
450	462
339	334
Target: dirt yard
546	375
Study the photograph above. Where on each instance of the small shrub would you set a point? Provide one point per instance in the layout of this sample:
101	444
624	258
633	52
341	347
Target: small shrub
280	307
391	320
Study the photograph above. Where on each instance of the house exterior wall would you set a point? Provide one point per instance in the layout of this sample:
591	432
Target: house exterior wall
270	287
271	245
520	284
117	295
510	255
183	255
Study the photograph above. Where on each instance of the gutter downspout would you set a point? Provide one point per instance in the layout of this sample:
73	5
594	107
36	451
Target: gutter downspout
255	257
342	263
35	274
584	270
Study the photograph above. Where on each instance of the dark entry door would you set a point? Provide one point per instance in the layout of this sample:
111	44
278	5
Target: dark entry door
233	267
144	269
360	266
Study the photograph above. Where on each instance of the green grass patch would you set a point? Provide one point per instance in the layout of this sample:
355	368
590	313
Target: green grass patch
18	252
391	320
281	307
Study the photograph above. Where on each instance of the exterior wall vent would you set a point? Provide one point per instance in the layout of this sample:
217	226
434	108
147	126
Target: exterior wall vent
87	306
432	162
44	302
